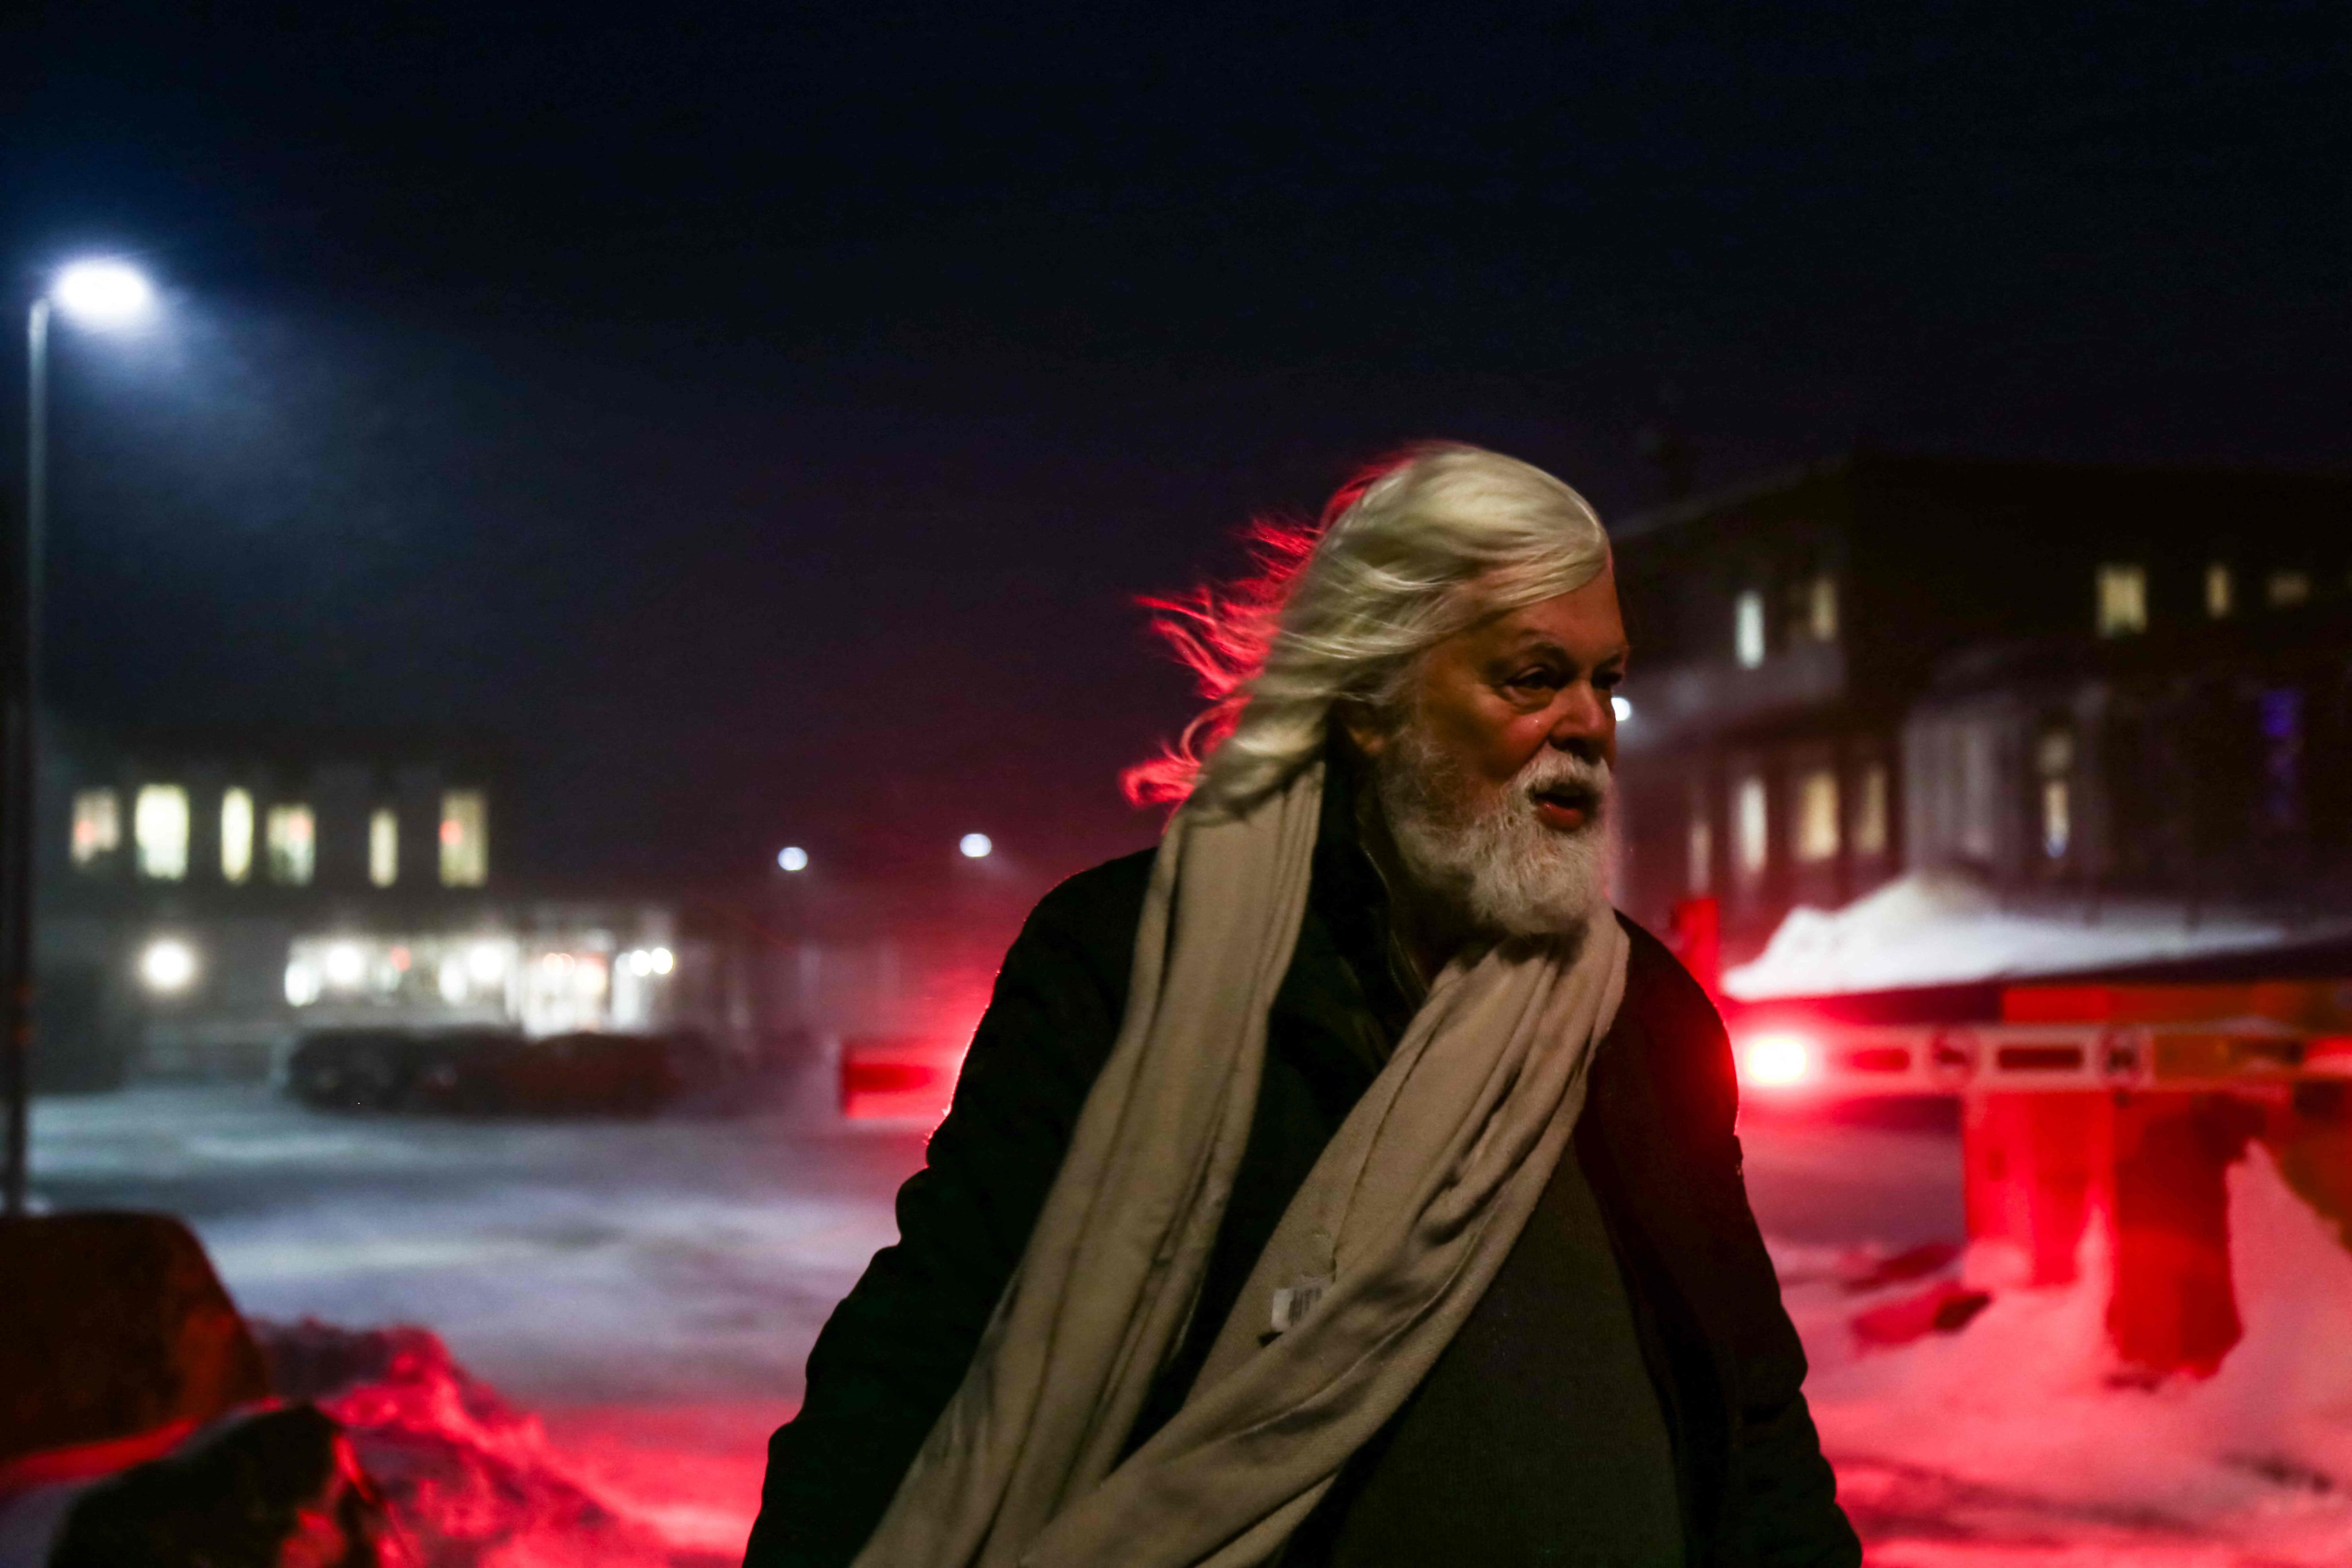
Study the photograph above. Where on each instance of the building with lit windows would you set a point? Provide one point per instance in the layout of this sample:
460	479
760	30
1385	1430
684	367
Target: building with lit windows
210	897
2135	682
206	896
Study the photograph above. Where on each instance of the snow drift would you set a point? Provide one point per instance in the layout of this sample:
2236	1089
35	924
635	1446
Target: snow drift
1943	928
466	1481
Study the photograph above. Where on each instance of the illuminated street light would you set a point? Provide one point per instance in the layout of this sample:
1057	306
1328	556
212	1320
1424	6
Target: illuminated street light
96	292
974	846
664	961
792	857
168	965
1622	708
103	293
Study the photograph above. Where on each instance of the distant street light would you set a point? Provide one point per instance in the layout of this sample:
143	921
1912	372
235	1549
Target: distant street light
101	293
1622	708
346	965
974	846
168	965
792	857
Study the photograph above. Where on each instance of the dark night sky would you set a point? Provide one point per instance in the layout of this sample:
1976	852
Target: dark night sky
762	425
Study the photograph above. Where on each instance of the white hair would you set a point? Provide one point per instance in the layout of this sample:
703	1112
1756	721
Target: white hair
1405	556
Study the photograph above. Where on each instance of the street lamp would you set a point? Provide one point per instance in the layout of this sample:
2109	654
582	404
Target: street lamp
101	293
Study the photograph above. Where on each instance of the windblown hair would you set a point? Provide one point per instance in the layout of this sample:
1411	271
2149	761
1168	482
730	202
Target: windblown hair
1405	555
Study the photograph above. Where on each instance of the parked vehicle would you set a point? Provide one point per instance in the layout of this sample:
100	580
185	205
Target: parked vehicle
489	1072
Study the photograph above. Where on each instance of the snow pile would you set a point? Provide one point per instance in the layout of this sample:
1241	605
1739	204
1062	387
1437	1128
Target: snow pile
2017	1440
1943	928
691	1470
467	1482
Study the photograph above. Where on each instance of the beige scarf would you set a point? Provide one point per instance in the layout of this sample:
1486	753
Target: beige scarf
1381	1256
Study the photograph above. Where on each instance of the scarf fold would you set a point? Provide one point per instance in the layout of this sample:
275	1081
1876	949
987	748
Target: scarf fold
1381	1255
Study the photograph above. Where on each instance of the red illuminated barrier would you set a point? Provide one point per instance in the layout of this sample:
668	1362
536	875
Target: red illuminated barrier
898	1077
1831	1059
2115	1107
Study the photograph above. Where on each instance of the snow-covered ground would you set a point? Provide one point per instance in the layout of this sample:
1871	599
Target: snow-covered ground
649	1290
1940	927
2014	1441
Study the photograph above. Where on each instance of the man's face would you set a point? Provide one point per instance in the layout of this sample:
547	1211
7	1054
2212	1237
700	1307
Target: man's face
1494	774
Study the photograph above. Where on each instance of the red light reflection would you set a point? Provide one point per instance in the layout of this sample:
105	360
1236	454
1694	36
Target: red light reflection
1778	1060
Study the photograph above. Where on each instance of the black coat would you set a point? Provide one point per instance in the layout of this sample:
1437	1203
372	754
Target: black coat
1655	1144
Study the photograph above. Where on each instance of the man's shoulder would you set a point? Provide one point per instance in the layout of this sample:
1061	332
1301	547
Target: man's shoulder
1092	917
1110	893
1660	990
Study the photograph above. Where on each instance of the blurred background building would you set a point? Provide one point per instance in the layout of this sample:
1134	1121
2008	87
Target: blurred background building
2096	683
2072	686
210	897
199	888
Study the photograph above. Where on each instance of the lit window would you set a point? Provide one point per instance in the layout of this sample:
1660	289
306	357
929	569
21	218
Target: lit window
465	838
2057	825
1821	607
1752	823
159	822
2053	759
1981	793
97	826
1816	816
1702	855
2220	592
236	835
384	847
290	836
1869	811
1748	629
2123	599
2286	588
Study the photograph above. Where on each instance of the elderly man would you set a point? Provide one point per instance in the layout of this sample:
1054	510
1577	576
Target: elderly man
1342	1183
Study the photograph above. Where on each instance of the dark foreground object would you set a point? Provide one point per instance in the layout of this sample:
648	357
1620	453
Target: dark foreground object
112	1326
277	1489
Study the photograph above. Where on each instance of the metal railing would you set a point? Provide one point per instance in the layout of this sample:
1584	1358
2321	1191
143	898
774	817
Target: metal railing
1861	1058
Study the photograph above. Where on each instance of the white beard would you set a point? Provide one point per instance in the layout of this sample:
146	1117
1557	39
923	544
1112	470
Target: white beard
1483	853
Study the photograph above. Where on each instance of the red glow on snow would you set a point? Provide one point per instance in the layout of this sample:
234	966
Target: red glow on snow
466	1479
1777	1061
2330	1054
81	1461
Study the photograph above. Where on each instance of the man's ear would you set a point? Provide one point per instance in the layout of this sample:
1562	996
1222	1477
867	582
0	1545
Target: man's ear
1361	723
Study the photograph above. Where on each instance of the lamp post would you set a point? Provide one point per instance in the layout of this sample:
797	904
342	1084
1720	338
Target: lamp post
98	293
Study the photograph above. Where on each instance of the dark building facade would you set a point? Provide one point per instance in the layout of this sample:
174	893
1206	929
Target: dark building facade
2107	681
